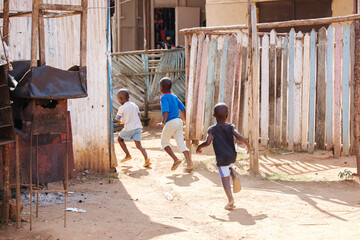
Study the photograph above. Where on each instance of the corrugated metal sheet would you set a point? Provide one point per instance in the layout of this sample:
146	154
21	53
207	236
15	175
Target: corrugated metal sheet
89	115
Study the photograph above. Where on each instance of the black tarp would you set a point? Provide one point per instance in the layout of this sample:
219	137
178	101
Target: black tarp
47	82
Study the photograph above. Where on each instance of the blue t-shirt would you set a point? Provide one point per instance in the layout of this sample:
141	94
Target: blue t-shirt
171	104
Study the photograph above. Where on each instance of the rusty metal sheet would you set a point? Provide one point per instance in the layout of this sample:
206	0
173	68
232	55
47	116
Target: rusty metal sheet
51	157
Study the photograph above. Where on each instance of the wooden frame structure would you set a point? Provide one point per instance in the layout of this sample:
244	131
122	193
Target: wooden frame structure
253	47
40	11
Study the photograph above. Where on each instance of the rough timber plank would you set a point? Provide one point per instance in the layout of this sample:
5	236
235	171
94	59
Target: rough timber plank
202	83
278	92
291	89
329	87
264	124
346	91
272	88
297	88
230	72
217	74
337	91
305	94
243	120
320	91
223	69
312	96
190	86
352	79
284	89
237	81
209	95
196	86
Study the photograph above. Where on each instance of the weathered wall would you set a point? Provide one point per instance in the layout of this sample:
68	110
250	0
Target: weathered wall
232	12
342	7
89	116
225	12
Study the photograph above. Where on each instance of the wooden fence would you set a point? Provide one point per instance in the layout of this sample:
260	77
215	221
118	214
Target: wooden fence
306	86
141	71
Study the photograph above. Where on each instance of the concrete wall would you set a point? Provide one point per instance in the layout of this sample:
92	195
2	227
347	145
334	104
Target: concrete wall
233	12
89	116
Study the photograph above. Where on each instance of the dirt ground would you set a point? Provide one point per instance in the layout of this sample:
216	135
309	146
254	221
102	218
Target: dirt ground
299	196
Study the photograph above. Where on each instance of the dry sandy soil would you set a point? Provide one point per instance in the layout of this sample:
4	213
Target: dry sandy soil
299	196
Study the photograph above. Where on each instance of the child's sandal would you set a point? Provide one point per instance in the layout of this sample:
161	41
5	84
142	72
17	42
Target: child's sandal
147	163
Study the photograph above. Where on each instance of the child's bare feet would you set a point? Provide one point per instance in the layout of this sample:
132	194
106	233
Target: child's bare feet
126	158
147	163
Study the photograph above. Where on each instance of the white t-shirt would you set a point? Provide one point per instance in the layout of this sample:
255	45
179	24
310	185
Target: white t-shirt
129	112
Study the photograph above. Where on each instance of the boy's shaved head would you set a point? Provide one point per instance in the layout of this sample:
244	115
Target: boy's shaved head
166	83
124	93
221	111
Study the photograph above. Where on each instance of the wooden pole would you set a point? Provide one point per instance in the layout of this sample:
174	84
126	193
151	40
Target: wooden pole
83	33
34	32
42	41
17	169
254	88
6	22
292	23
145	23
357	96
6	181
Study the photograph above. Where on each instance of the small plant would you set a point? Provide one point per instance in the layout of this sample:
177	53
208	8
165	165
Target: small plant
1	224
346	174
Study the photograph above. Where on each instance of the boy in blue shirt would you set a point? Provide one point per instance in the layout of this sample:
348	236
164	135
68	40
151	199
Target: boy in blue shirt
172	124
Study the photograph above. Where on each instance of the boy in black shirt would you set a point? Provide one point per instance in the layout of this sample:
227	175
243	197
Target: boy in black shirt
222	135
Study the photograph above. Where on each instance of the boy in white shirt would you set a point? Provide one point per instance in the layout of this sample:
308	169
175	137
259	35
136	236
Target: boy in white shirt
130	115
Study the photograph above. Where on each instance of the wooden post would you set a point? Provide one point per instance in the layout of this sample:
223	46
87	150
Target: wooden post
253	93
145	58
17	169
6	22
34	32
41	41
357	95
83	33
6	181
145	24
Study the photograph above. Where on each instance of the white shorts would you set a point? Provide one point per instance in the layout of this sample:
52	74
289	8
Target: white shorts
225	170
174	128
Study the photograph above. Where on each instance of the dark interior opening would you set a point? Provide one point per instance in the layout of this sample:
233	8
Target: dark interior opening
164	25
284	10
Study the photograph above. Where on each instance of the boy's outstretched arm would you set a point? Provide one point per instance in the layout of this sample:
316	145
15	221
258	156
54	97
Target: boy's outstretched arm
241	139
184	116
207	142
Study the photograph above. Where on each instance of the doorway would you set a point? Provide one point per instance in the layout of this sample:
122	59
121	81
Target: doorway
164	27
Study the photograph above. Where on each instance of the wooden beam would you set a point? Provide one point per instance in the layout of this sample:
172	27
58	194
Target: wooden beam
6	22
83	33
42	42
357	96
6	181
17	174
254	88
292	23
34	32
62	7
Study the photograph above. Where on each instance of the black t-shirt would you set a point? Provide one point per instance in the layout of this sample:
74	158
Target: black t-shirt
223	143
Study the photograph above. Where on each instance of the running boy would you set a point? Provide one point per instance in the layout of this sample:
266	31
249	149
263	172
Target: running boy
222	135
172	124
130	115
